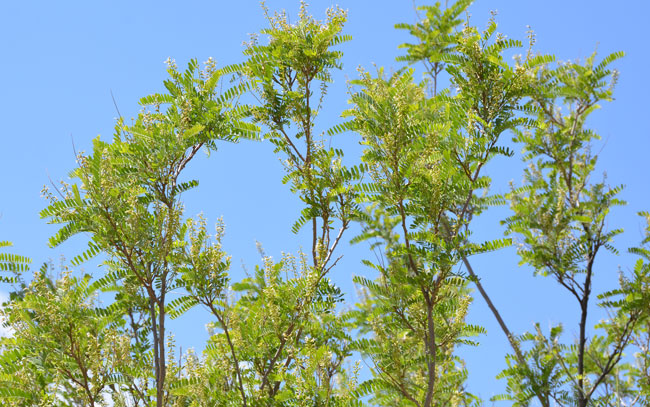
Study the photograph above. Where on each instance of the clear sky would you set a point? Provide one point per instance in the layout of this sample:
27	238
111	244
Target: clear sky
60	61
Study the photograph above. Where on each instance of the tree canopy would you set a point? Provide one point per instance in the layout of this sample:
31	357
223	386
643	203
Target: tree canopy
285	334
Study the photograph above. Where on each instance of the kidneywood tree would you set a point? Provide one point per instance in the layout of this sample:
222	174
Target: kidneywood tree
561	218
425	156
128	196
283	335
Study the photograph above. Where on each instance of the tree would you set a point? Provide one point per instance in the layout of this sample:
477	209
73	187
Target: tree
129	192
561	218
425	157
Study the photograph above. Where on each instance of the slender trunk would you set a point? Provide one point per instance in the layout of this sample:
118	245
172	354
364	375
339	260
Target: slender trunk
158	332
582	341
431	356
154	331
582	400
160	387
308	175
430	340
314	241
435	79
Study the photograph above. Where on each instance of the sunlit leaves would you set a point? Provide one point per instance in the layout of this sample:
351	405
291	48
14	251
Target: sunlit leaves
61	345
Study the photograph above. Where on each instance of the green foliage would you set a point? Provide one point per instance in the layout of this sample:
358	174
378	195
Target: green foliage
561	218
281	343
290	76
425	155
128	196
629	382
557	202
62	350
437	35
11	263
282	336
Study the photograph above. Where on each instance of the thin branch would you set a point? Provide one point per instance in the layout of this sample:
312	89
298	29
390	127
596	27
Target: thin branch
293	146
616	354
54	186
115	104
232	351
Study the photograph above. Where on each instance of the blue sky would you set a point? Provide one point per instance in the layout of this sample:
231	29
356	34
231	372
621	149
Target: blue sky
61	61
